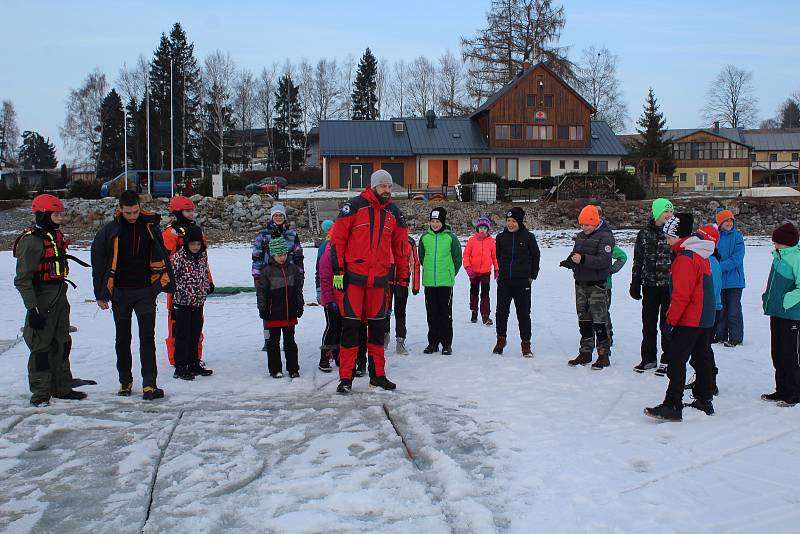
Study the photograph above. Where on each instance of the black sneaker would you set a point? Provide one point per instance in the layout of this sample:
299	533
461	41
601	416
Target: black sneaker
294	374
182	372
447	351
730	344
664	412
152	393
488	321
344	387
788	403
72	395
702	405
430	349
474	318
199	368
360	371
324	364
276	375
772	397
44	403
644	366
661	370
264	348
382	382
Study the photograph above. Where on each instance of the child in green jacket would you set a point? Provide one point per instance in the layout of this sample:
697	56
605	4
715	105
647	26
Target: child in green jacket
440	257
781	302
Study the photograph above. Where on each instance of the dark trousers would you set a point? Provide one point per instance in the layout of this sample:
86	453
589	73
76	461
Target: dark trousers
655	302
439	308
480	286
361	358
187	330
289	349
398	299
731	322
124	304
688	341
786	356
333	330
518	290
360	339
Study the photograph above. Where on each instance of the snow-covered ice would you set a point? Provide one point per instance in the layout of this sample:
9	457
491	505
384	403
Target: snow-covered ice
483	443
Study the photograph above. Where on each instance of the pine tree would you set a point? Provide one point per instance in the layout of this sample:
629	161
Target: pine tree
365	101
37	152
651	127
111	160
289	150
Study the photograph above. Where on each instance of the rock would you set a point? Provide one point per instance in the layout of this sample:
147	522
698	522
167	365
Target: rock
196	198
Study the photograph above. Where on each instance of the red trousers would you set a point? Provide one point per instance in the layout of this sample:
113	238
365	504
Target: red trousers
359	304
171	337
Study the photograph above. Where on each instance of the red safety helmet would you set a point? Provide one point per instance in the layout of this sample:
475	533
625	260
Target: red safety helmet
180	204
45	202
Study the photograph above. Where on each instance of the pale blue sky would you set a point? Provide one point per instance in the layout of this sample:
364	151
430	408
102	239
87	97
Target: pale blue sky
676	47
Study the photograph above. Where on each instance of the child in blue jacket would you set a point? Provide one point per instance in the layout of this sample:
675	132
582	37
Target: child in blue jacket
730	329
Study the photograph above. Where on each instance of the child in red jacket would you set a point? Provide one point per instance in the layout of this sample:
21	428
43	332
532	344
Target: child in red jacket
479	258
691	315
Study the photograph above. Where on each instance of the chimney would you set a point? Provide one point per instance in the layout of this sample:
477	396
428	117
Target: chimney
716	127
430	116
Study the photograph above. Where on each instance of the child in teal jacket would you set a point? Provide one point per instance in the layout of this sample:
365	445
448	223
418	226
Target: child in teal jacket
781	302
440	257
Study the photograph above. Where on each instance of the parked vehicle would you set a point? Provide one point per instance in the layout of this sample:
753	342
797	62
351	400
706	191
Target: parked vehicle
159	185
270	185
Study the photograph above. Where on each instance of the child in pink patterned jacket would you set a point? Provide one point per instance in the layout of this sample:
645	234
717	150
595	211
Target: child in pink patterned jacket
190	267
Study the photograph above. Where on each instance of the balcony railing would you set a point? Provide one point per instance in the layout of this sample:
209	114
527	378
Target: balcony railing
775	165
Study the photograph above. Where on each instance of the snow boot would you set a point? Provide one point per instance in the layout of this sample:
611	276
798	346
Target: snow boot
789	402
487	320
344	387
44	403
152	393
730	344
182	372
294	374
500	345
474	318
703	405
325	362
400	346
72	395
581	359
772	397
430	349
526	349
447	351
644	366
125	390
661	370
382	382
665	412
79	382
199	368
602	361
276	375
360	370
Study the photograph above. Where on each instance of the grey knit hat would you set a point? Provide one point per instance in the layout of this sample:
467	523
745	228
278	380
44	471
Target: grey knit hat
380	177
277	208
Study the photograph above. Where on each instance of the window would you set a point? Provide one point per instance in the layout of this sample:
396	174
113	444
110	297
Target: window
753	156
562	164
507	167
576	164
722	177
795	156
548	101
736	177
531	100
596	167
563	132
576	133
502	131
683	177
480	164
516	131
773	157
538	133
540	167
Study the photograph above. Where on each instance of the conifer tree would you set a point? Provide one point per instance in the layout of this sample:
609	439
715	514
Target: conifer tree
37	152
365	101
289	149
651	127
111	161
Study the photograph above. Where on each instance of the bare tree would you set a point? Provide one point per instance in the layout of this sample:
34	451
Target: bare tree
82	129
597	82
218	77
131	82
730	99
450	82
305	81
515	31
325	101
421	86
382	81
9	133
244	113
347	76
399	88
265	103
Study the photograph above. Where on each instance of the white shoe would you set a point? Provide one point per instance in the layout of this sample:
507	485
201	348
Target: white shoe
400	346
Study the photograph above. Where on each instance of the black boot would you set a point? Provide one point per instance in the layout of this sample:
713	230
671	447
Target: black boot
772	397
264	348
430	349
665	412
344	387
152	393
702	405
72	395
199	368
382	382
474	318
325	362
183	372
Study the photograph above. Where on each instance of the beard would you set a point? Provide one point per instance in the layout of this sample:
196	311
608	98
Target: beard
383	198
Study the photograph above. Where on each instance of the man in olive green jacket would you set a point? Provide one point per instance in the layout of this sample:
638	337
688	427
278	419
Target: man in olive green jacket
440	257
41	281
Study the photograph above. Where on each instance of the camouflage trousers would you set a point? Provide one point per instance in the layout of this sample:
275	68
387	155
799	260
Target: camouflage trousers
591	303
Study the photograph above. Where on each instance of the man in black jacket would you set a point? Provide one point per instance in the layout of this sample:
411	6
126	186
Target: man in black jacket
130	267
518	258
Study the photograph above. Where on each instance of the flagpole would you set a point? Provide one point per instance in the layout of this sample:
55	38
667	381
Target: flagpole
171	137
147	114
125	143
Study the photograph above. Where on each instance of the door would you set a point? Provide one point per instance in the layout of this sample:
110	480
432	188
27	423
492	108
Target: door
700	181
356	177
435	173
396	170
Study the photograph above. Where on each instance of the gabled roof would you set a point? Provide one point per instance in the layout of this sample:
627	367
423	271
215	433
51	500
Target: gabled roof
774	139
362	138
731	134
511	84
451	136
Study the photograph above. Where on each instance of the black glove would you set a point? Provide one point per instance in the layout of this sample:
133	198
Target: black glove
415	291
36	320
262	313
210	288
300	309
332	307
567	264
636	289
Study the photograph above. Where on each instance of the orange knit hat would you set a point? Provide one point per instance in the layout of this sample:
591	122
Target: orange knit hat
589	215
723	216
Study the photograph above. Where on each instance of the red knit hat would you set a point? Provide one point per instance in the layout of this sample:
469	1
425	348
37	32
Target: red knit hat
723	216
709	233
589	215
786	234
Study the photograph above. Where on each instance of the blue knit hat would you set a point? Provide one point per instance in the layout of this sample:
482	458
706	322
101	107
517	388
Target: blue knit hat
483	221
326	225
